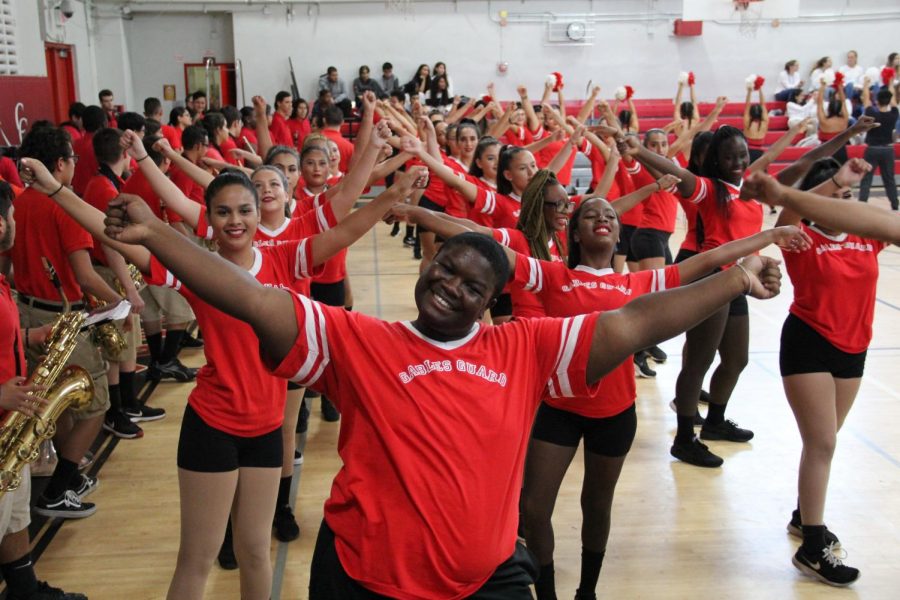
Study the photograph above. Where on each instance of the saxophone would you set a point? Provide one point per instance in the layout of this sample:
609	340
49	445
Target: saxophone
108	335
20	435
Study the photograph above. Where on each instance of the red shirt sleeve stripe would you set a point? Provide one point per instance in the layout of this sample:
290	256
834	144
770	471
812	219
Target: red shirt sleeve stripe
313	337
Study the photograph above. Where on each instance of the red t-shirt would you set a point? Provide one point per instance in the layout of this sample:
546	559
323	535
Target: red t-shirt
441	194
279	131
521	138
493	209
75	134
344	147
626	185
250	134
661	208
225	149
87	165
235	393
834	287
739	218
173	134
598	166
524	304
433	439
44	229
100	190
138	185
545	156
300	128
190	188
335	268
567	292
12	346
9	173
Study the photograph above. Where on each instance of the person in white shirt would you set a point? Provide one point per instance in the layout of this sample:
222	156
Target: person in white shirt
853	75
823	65
789	82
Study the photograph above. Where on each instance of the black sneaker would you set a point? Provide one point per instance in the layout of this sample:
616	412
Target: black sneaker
329	412
85	486
285	524
698	418
695	453
189	341
45	592
409	241
641	368
144	413
657	354
121	426
726	431
298	457
226	558
795	528
417	254
175	370
67	506
395	230
827	567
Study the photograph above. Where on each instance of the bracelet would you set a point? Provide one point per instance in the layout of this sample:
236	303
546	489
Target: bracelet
142	158
58	190
747	273
658	186
836	184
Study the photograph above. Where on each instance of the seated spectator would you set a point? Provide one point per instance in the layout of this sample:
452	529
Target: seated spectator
388	82
438	96
334	84
318	112
818	72
440	69
420	81
853	75
398	100
805	107
73	126
789	82
364	83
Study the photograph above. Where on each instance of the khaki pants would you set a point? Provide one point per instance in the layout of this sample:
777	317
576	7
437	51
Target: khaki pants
165	302
85	355
132	336
15	507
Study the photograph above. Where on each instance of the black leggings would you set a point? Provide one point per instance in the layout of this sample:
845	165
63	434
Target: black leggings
329	581
730	335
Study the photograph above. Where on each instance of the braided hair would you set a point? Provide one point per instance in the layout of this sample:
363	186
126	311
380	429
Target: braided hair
710	167
531	218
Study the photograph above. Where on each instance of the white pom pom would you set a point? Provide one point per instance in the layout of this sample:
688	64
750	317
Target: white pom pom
550	80
683	77
828	77
621	93
750	81
873	74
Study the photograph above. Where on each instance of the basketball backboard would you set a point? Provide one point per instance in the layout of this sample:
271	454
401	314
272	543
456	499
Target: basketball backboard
725	10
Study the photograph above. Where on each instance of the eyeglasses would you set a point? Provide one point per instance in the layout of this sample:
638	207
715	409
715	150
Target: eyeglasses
563	207
73	157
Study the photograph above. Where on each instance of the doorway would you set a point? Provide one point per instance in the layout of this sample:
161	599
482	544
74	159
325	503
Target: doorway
61	73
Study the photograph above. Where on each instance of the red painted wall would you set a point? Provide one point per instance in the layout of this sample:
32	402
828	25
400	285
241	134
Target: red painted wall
23	100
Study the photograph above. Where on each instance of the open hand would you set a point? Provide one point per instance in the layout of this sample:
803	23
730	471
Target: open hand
14	395
791	239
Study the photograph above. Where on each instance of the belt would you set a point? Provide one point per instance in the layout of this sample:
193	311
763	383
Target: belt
48	306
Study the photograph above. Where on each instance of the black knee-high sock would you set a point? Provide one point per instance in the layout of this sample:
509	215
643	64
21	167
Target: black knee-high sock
62	475
154	346
126	389
410	230
19	576
685	432
172	344
284	491
715	414
545	586
115	397
591	562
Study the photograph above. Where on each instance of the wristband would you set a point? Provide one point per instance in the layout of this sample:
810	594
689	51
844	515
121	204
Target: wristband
658	186
749	277
142	158
834	181
58	190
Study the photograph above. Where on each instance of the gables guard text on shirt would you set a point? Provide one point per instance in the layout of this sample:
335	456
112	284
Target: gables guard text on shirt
444	366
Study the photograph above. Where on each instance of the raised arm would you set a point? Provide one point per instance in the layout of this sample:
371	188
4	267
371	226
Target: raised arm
441	224
678	95
545	141
859	218
765	111
633	123
588	107
465	187
352	185
531	118
630	146
820	104
866	93
653	318
627	202
91	219
762	163
747	103
186	208
366	125
788	238
793	173
570	147
224	285
609	170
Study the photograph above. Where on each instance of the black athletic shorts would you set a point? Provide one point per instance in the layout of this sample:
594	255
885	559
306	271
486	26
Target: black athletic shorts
432	206
330	294
738	307
623	247
651	243
503	307
294	386
684	254
805	350
329	581
205	449
610	436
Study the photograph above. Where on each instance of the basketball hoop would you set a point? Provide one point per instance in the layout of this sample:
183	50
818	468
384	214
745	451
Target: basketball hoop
750	14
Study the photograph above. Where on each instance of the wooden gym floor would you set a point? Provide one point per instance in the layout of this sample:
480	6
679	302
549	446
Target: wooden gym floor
678	531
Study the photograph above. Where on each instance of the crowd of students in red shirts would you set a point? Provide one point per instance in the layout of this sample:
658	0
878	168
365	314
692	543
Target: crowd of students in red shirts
199	203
